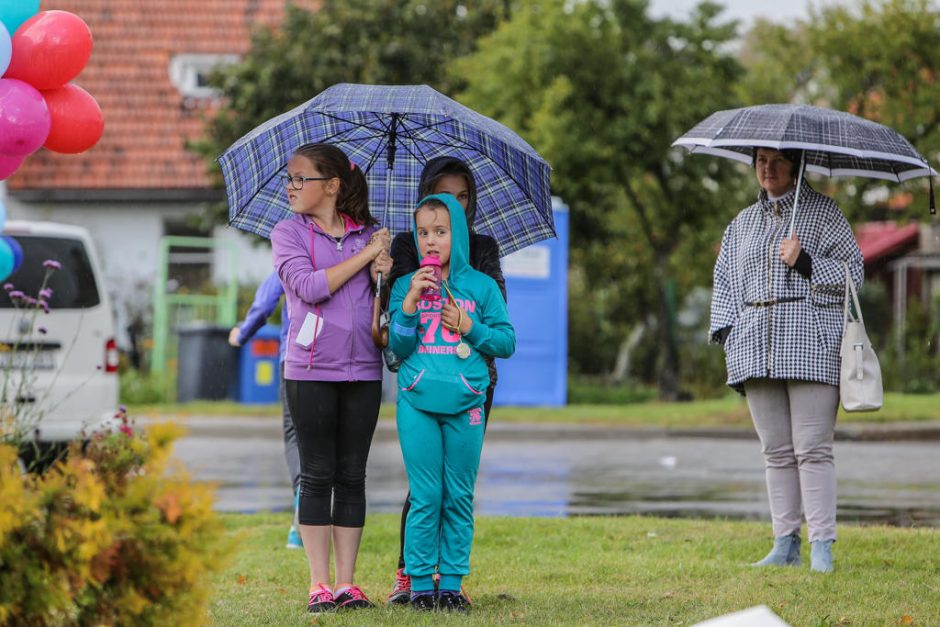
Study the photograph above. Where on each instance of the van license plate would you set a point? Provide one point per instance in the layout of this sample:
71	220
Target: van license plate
40	360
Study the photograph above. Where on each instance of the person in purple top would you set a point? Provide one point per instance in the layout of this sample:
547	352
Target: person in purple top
327	255
267	297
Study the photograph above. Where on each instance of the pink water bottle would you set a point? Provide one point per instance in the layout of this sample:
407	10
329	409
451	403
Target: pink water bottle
432	293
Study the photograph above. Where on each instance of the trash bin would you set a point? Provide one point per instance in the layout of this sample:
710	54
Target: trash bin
206	362
259	367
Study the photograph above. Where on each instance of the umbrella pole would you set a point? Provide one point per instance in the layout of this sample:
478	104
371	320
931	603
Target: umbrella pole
796	198
380	331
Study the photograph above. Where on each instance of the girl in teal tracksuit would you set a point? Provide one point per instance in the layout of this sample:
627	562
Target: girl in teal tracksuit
443	379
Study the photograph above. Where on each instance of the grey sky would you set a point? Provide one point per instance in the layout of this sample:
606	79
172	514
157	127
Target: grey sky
744	10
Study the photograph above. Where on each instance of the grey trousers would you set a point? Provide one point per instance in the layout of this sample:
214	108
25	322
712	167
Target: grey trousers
795	421
291	453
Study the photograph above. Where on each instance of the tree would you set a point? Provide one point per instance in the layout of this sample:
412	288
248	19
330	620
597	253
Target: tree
601	89
876	59
395	42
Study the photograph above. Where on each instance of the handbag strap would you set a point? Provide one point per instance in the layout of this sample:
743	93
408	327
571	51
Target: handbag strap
850	289
739	258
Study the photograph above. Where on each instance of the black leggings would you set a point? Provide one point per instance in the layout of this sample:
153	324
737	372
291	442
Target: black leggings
334	421
487	404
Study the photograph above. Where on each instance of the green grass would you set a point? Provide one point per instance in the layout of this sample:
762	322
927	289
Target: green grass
729	411
602	571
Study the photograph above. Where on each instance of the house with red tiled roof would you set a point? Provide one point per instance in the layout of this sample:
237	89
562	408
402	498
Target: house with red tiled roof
905	260
139	183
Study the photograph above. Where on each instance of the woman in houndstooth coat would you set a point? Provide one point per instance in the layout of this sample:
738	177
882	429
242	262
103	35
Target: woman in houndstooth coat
777	310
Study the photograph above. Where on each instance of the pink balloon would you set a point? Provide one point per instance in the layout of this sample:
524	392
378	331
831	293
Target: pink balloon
9	164
24	118
50	49
77	121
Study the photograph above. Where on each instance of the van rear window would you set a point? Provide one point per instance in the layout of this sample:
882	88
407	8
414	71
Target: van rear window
73	285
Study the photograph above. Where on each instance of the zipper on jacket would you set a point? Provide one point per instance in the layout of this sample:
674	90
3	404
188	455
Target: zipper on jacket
770	261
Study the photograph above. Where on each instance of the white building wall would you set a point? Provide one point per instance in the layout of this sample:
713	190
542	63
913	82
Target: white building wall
127	236
253	257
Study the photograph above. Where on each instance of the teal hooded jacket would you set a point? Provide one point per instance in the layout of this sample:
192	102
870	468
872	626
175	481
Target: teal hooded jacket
432	377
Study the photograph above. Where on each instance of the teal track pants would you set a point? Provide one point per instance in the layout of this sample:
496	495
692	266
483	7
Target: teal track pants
442	455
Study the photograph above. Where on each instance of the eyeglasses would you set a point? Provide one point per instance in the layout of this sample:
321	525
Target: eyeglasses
297	182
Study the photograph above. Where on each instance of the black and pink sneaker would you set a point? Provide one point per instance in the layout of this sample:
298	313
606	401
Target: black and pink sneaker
353	598
401	593
321	600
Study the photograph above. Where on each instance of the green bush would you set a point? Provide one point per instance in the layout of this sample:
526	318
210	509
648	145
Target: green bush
919	370
138	388
586	390
107	536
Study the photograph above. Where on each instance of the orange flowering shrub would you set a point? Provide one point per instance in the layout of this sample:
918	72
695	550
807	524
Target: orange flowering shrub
110	536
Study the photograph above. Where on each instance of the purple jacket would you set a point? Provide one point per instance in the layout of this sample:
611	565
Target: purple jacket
330	335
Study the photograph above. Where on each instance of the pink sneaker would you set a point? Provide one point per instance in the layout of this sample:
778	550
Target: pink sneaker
321	599
352	598
401	593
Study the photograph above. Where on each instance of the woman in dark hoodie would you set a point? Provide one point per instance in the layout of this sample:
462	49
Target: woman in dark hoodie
444	175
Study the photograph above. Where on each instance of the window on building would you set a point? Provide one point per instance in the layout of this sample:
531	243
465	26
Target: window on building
190	72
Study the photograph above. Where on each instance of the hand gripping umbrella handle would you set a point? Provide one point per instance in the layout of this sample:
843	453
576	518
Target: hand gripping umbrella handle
379	330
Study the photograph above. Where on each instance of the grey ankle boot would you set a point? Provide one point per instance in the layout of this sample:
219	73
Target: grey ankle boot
786	552
821	556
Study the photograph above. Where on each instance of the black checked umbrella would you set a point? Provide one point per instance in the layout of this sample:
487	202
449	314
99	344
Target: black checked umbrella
834	143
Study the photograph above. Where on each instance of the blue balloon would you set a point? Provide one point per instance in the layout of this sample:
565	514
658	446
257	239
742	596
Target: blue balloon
6	49
15	12
17	252
6	260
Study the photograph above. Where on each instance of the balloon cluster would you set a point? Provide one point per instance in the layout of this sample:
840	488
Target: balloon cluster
40	52
11	253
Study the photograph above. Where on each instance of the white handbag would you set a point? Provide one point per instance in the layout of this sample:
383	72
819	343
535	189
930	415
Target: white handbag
860	386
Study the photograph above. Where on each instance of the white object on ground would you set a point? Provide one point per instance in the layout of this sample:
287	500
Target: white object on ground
758	616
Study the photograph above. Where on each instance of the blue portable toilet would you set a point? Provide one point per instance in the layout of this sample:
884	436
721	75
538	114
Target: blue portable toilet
537	290
259	373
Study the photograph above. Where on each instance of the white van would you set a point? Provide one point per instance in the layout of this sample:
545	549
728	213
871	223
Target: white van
63	363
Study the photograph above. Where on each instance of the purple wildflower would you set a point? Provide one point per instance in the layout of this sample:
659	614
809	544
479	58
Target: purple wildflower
8	286
46	293
29	300
52	264
44	305
15	294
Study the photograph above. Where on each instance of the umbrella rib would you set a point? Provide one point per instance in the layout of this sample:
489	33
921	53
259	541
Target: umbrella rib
496	164
383	129
420	128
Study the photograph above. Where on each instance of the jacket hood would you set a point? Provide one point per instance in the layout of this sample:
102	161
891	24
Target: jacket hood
452	165
459	233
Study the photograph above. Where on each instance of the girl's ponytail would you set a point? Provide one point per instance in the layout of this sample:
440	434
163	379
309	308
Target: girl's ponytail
354	196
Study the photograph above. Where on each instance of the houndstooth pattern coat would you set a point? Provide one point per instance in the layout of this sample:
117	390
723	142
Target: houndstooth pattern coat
788	340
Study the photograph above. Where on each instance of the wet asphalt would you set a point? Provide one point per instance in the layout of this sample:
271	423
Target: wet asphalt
888	475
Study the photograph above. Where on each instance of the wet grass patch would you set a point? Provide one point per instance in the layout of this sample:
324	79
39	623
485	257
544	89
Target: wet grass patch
601	571
728	411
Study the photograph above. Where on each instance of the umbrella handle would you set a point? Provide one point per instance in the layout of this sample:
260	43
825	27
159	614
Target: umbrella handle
796	198
379	330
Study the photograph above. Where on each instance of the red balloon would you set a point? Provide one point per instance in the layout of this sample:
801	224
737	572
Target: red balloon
77	121
50	49
9	164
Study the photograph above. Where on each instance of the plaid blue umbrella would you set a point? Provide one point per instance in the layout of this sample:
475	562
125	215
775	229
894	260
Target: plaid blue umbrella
390	132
